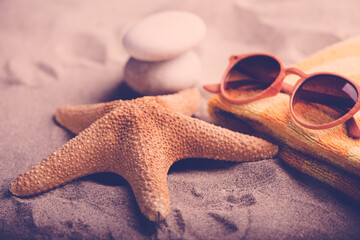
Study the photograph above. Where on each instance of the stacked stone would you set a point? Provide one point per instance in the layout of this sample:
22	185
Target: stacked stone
160	46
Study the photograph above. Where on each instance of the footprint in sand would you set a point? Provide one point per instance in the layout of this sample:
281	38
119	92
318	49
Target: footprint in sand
177	232
23	70
19	70
47	69
223	225
246	200
83	48
197	193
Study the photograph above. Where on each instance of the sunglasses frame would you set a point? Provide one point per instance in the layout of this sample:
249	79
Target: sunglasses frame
279	85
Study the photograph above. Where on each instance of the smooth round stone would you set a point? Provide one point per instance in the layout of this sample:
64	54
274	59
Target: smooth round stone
164	35
153	78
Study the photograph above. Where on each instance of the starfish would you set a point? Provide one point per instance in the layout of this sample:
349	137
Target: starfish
138	139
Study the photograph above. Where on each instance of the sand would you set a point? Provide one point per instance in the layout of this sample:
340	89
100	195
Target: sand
54	53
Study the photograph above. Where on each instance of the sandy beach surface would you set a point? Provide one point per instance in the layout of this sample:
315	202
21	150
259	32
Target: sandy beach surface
54	53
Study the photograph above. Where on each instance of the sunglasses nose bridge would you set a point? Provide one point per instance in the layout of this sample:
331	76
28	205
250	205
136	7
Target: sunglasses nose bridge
295	71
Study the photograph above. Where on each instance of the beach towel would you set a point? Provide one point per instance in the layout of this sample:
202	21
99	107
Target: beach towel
329	155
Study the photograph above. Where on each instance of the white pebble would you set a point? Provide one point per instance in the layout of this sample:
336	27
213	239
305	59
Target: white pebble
164	35
153	78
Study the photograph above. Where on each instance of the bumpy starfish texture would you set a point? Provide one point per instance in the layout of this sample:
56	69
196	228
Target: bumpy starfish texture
138	139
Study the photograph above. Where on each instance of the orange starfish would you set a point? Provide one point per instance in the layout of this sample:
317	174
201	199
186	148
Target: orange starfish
138	139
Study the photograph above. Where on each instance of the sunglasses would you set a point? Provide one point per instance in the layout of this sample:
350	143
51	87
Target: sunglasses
319	100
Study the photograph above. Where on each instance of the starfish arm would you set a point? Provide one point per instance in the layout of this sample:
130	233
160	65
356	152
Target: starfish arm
185	102
78	118
151	193
205	140
82	155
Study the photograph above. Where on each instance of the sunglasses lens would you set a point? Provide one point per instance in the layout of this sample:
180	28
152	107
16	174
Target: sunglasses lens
251	75
322	99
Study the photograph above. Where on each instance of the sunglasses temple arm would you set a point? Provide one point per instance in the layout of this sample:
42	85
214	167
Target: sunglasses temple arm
353	128
287	88
213	88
